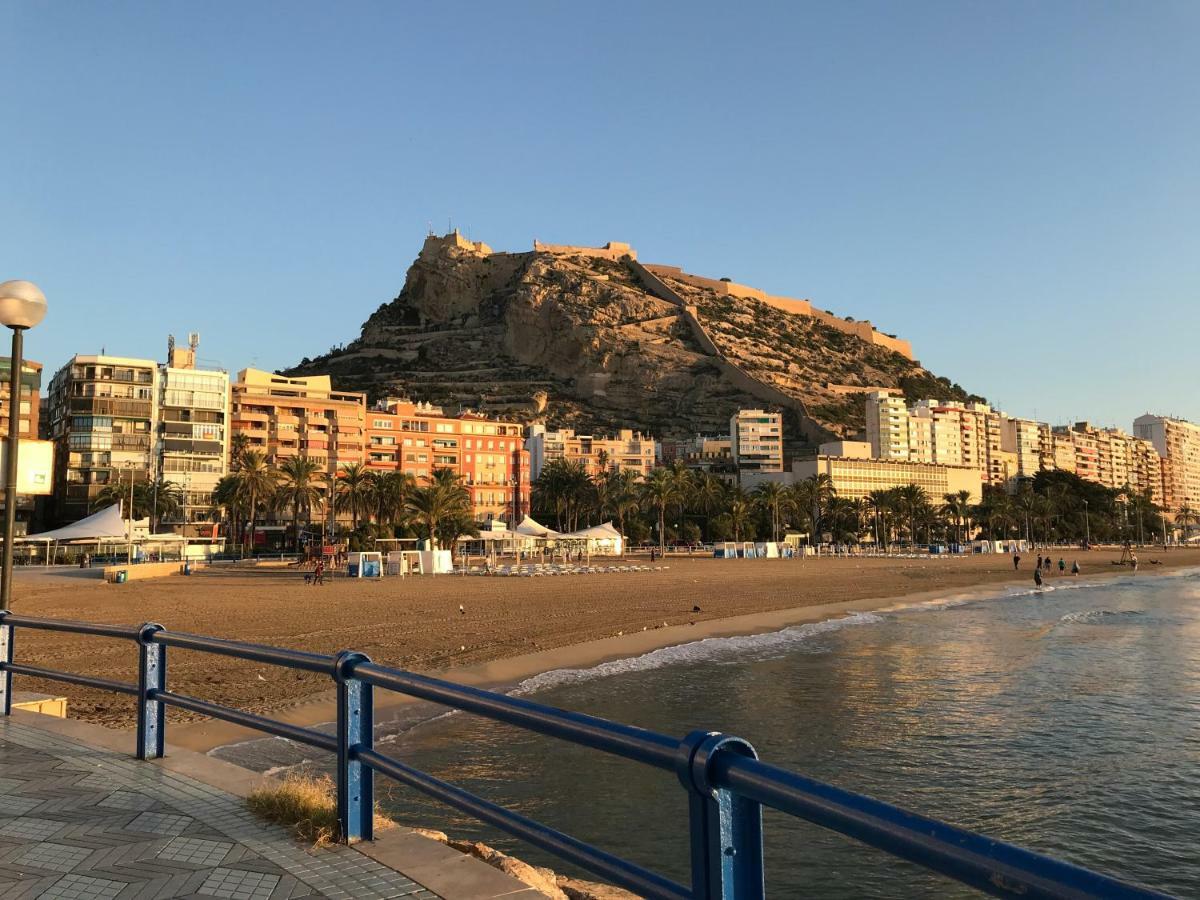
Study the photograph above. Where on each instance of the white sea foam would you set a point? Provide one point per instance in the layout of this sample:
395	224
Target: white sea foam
707	649
1096	616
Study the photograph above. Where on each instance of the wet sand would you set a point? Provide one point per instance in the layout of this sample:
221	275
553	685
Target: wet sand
512	628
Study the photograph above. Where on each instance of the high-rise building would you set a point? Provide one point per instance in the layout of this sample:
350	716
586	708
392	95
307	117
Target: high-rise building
629	451
1022	437
489	454
1178	443
887	426
193	435
102	412
756	438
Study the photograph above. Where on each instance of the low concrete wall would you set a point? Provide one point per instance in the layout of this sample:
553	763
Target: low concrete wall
146	570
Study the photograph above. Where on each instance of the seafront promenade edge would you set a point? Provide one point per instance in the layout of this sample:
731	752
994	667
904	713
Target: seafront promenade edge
81	818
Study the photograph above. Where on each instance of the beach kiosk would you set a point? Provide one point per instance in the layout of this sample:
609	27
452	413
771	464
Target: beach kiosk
365	565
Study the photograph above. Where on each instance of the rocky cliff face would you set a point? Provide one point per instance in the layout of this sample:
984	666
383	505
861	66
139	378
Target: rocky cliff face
577	340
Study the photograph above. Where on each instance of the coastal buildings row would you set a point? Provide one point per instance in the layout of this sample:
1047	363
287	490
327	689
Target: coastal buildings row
1161	458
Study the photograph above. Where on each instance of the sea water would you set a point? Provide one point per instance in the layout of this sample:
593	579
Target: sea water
1063	719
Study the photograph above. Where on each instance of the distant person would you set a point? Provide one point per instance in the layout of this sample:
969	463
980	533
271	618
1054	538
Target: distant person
1075	567
1016	561
1037	577
1039	562
1047	563
1133	561
319	572
1062	566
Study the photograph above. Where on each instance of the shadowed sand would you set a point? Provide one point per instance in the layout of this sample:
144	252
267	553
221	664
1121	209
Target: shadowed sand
512	628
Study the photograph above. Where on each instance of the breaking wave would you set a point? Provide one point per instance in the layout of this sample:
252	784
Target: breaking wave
705	650
1102	616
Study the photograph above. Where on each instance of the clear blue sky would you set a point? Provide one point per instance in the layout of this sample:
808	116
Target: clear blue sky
1012	186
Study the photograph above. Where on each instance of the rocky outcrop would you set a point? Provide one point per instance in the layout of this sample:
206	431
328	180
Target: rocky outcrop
580	339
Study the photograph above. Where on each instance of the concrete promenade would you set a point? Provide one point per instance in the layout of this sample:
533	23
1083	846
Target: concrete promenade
82	820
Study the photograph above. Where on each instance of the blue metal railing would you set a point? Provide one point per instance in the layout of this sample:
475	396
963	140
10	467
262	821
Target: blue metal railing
726	784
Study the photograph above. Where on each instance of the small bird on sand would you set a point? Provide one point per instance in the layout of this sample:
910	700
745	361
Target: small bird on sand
461	610
695	609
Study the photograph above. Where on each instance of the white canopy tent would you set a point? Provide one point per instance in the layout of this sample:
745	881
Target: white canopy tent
531	528
105	524
598	538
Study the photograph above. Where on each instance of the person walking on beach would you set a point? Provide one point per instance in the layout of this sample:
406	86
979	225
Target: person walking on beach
1037	577
319	571
1039	562
1016	561
1075	567
1047	563
1062	566
1133	561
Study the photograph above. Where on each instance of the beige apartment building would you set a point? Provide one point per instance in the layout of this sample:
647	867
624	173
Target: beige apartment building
29	425
756	440
101	414
1177	441
489	454
629	451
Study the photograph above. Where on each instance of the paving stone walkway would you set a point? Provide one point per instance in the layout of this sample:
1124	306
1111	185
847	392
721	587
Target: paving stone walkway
78	823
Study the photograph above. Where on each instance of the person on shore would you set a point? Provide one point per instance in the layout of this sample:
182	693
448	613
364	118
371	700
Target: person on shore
1037	577
1133	561
1048	562
1062	566
319	572
1016	561
1075	567
1039	562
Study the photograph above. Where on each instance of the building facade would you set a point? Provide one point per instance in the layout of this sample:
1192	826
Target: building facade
756	440
489	454
29	410
1177	441
101	414
855	477
193	437
629	451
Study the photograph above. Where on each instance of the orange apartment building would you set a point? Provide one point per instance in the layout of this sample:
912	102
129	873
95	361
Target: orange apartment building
489	454
283	416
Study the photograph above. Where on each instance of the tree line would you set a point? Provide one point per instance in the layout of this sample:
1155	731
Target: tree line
677	504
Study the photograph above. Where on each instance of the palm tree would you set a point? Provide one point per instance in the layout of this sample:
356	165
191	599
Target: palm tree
226	497
440	507
775	499
390	490
740	513
563	490
621	496
709	497
912	502
812	495
353	493
256	481
684	481
882	502
299	491
239	443
659	491
957	509
1185	518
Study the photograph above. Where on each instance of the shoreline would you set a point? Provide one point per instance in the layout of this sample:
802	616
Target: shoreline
506	673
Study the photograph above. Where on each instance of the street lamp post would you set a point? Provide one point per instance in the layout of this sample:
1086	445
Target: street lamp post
1087	526
22	305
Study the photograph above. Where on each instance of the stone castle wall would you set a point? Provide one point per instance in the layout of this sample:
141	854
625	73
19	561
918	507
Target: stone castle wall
614	250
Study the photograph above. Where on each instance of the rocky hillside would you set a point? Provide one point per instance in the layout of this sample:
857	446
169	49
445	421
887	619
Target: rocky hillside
579	339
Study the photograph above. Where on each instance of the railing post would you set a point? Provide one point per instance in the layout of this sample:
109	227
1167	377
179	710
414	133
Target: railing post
6	657
152	676
725	829
355	730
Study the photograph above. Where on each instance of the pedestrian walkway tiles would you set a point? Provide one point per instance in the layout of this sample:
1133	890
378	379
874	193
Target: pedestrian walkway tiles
78	823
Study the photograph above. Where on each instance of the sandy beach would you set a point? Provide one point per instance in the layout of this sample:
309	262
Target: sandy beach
511	628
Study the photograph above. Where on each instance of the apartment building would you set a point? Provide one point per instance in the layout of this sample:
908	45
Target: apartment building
888	426
284	416
706	452
756	440
489	454
1023	439
193	436
629	451
101	414
1177	442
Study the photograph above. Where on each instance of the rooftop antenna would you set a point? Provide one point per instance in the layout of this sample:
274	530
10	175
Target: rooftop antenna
170	347
430	223
193	341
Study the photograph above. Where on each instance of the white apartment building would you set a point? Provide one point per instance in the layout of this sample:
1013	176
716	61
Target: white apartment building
193	435
756	438
888	426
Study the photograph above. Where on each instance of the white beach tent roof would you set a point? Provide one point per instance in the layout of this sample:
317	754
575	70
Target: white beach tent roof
596	533
107	523
533	529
